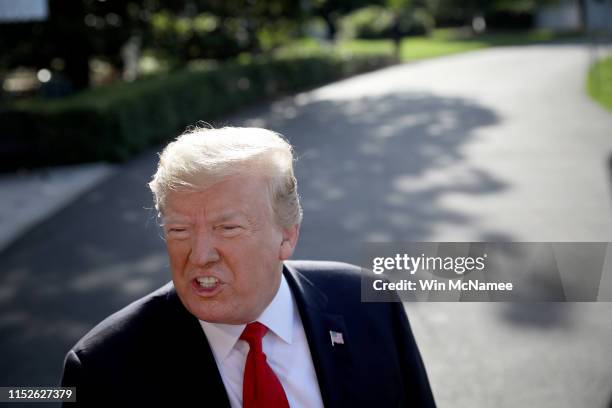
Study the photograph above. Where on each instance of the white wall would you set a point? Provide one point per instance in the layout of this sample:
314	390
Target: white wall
23	10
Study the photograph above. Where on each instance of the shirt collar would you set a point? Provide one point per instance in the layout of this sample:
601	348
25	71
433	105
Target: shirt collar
277	316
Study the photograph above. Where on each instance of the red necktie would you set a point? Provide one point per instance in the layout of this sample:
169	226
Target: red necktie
261	387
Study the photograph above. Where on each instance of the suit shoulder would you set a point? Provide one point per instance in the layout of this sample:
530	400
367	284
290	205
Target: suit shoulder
327	270
325	267
129	323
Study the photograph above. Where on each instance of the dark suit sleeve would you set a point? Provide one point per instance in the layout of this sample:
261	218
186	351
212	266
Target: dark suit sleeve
418	389
74	376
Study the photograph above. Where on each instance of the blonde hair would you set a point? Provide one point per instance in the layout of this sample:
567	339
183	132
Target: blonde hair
202	157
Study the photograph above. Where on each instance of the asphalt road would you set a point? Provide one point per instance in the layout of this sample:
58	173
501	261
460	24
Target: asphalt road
494	145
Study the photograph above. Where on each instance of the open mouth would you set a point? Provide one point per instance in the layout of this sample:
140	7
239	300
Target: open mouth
206	285
208	282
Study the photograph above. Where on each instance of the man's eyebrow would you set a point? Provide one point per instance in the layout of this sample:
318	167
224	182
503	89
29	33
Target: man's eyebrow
226	216
174	218
220	217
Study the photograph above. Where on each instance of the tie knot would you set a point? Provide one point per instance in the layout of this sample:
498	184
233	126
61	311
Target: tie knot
253	333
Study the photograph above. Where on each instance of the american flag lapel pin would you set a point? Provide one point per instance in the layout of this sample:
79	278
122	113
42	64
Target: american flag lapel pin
336	337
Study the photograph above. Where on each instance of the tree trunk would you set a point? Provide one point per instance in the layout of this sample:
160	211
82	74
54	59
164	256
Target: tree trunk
582	14
396	36
70	35
331	27
77	71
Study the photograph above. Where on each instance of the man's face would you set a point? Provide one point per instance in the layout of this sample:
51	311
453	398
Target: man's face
225	250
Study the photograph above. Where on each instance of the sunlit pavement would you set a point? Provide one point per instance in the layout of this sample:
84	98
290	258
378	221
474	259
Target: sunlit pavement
29	197
500	144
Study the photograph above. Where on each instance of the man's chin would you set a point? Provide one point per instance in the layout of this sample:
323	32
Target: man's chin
212	313
206	317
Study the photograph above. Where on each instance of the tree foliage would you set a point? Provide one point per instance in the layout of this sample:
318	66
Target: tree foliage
181	29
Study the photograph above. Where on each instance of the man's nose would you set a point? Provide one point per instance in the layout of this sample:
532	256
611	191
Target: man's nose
203	251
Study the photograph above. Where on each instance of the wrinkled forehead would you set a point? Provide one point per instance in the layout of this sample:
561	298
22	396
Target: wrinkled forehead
246	195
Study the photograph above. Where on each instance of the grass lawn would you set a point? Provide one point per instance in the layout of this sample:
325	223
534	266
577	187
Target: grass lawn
599	82
415	48
440	42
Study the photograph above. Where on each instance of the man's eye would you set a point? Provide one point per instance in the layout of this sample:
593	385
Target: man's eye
177	232
229	228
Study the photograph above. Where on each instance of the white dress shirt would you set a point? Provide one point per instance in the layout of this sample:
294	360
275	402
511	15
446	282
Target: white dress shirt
284	344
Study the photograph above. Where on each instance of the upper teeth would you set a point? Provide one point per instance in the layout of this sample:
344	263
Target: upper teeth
208	281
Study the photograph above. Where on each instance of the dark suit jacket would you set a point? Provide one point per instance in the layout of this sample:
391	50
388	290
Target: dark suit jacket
155	352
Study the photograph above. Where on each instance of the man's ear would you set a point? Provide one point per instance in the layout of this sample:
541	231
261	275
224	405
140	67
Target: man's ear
290	238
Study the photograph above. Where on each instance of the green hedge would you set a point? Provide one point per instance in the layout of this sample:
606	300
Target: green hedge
113	123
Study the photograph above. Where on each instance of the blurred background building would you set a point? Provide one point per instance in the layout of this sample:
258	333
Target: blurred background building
594	15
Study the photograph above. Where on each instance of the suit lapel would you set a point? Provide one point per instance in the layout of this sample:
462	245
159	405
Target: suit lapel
193	356
332	360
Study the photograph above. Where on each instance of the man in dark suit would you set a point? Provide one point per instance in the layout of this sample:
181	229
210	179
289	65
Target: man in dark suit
240	325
